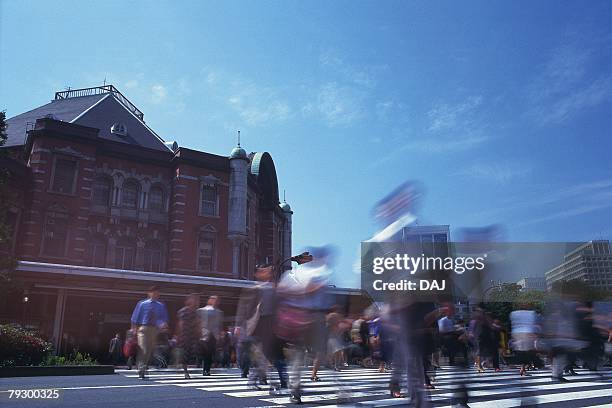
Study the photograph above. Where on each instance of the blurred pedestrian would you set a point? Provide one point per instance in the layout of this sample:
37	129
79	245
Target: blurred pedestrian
149	316
255	327
115	349
304	302
525	329
211	323
188	330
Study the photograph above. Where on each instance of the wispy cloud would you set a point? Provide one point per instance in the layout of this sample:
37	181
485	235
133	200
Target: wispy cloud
431	145
255	104
131	84
446	116
337	105
158	93
499	173
575	101
568	85
254	113
360	75
579	209
558	202
347	94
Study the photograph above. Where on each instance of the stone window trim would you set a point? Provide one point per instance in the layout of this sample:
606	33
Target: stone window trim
56	158
125	253
152	248
138	198
99	242
207	232
54	213
164	198
210	181
103	178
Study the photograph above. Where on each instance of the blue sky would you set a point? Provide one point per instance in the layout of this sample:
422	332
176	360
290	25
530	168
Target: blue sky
500	109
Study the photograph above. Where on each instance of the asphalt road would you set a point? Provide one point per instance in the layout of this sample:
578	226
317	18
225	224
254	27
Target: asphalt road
352	387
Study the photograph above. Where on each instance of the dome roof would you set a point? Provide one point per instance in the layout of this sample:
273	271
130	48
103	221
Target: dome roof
285	207
238	153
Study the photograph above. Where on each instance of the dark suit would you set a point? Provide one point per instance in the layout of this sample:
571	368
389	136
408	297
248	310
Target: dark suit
114	350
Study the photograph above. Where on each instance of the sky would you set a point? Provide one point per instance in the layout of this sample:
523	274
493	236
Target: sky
501	110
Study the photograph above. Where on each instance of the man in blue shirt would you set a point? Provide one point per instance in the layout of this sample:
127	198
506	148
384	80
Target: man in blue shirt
149	316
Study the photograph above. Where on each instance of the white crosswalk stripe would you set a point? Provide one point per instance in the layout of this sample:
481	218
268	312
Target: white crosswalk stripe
368	388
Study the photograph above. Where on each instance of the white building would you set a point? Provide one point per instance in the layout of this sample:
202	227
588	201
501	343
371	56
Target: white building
532	283
590	262
432	238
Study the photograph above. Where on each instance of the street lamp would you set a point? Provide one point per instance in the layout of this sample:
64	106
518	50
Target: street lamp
300	259
24	301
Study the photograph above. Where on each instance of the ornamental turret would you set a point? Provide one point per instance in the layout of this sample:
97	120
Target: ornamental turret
239	165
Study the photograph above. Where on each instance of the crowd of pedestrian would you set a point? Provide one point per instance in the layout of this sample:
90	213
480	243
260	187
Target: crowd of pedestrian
291	322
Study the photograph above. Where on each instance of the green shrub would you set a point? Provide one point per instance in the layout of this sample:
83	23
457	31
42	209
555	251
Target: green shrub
19	347
75	359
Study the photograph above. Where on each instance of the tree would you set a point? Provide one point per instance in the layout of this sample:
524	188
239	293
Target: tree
508	297
7	262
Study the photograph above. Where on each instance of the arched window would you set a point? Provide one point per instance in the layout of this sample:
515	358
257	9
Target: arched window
129	194
207	243
125	251
152	256
101	191
98	251
208	204
156	199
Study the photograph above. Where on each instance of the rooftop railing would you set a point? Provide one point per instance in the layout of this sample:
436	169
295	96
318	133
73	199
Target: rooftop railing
99	90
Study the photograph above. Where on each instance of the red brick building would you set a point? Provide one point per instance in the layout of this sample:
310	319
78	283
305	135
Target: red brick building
102	207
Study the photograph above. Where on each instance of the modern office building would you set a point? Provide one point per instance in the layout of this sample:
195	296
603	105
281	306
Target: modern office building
432	239
590	262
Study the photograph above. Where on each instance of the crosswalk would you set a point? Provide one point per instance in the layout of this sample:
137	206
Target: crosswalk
359	387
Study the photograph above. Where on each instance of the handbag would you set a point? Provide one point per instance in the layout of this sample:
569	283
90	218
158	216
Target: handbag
292	322
130	348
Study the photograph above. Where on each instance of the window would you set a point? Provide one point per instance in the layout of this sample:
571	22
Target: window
156	199
248	214
101	191
244	262
427	245
129	195
98	252
209	200
124	254
152	256
206	250
56	232
64	176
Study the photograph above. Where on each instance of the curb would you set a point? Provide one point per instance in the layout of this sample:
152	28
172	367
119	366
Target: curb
37	371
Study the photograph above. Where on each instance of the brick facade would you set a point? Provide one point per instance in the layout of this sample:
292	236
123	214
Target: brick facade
153	218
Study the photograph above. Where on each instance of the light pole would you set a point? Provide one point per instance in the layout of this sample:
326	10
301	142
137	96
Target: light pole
24	302
301	259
